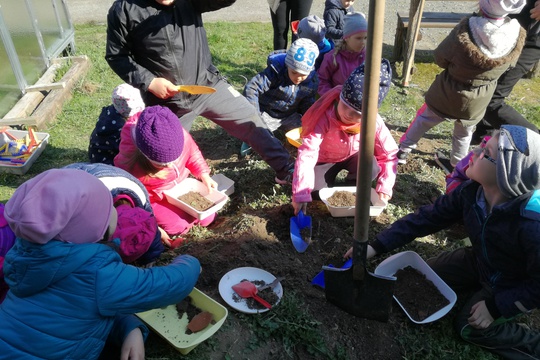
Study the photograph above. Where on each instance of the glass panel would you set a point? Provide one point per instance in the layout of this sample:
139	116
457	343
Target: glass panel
52	22
9	89
19	25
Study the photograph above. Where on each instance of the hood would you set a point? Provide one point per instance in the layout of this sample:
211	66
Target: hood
333	4
29	268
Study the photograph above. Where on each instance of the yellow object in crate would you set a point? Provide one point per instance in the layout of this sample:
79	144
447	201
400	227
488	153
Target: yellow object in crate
293	137
166	323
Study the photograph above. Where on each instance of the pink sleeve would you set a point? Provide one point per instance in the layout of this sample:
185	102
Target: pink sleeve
127	146
304	169
196	164
325	73
385	152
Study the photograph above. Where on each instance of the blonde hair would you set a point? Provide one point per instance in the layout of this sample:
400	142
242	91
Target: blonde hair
340	45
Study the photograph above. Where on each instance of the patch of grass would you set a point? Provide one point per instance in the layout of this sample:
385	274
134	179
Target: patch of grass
291	325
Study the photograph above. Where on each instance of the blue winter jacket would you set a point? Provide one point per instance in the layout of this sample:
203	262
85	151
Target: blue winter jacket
506	242
64	298
271	91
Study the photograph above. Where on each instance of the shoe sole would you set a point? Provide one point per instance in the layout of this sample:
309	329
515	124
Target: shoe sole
438	156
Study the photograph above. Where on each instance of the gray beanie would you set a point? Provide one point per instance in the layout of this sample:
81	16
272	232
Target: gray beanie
312	27
353	24
518	164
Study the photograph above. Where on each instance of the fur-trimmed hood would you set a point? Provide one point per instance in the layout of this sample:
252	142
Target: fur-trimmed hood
480	59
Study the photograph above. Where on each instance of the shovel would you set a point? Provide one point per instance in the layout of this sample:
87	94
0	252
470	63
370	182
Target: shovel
355	290
196	89
247	289
300	224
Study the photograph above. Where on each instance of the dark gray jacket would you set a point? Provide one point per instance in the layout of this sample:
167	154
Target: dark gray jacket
146	40
334	16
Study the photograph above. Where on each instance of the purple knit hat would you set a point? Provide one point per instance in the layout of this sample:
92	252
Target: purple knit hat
7	237
353	89
64	204
159	134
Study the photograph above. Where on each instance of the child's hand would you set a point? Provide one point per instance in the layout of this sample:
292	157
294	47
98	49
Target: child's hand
384	197
209	182
162	88
133	346
480	317
299	206
165	238
370	253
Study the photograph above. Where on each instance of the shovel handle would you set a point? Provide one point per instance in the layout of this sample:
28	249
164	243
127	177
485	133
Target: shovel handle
265	303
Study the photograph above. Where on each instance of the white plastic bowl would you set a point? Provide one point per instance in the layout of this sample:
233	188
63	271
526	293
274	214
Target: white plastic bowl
377	206
409	258
225	185
190	184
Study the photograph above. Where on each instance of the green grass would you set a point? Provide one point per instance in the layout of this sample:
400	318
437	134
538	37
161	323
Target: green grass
239	51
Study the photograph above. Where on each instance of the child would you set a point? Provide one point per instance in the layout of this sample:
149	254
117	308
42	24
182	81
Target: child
105	139
350	53
284	91
312	28
334	14
140	238
156	149
499	274
459	174
330	135
7	239
70	292
477	51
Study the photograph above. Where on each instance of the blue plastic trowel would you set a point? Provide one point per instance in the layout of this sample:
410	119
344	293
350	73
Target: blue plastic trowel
300	231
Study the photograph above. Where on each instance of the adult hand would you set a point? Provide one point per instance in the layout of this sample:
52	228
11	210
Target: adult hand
133	346
370	253
480	317
209	182
535	11
297	206
384	197
162	88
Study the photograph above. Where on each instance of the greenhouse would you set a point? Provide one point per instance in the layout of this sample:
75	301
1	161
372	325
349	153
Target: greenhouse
34	33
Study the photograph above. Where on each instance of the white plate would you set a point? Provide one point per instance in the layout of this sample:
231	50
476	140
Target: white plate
234	276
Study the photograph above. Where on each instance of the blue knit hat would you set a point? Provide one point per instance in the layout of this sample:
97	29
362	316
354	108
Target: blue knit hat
353	89
159	134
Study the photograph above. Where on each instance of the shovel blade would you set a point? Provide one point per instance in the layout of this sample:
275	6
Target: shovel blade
369	298
298	225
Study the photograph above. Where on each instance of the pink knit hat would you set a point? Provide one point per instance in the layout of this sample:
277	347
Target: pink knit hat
136	230
501	8
63	204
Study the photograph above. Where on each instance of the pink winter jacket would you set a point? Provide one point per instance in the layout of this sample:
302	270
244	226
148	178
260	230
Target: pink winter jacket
328	144
332	73
191	161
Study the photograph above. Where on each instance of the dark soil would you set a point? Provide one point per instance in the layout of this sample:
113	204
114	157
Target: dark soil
342	199
196	201
417	294
198	319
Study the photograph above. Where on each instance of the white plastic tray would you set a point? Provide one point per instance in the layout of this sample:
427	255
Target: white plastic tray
23	168
235	276
225	185
374	210
409	258
190	184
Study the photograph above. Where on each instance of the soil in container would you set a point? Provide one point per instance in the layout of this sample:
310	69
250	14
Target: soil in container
196	201
267	294
198	319
418	295
342	199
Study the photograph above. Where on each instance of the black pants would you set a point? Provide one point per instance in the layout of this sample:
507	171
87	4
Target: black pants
288	10
499	112
504	337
